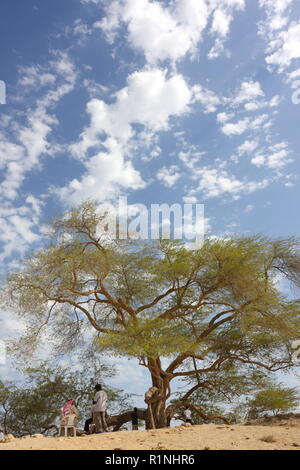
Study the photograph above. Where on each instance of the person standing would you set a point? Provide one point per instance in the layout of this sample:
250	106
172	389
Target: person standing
99	409
135	420
188	415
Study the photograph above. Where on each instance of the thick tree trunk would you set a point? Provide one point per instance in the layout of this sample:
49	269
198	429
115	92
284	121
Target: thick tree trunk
156	396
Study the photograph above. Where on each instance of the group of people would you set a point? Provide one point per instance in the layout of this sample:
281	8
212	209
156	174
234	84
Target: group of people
97	423
70	414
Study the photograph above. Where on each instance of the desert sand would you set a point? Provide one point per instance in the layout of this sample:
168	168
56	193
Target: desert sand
285	436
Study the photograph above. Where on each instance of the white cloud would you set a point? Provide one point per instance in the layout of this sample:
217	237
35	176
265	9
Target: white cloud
190	200
277	157
287	48
150	99
247	147
215	182
243	125
160	32
248	91
256	105
35	76
172	30
106	174
224	117
207	98
275	10
237	128
18	155
81	29
221	22
222	15
169	176
19	226
258	160
293	75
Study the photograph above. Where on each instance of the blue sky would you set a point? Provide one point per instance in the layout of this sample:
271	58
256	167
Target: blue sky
182	101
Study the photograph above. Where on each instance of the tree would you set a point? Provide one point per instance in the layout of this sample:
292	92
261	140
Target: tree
200	308
213	402
34	405
275	399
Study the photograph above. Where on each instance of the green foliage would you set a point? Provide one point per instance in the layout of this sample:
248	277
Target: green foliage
34	406
275	399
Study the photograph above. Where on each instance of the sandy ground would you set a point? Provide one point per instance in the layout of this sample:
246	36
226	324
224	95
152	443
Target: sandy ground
207	436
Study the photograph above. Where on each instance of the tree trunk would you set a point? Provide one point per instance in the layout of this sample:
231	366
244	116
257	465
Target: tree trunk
156	396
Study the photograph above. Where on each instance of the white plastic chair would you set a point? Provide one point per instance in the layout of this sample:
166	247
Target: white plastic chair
71	421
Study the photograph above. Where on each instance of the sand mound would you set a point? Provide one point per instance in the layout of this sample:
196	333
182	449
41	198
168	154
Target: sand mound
291	419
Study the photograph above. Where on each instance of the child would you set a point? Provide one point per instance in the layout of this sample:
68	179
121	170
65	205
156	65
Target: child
188	415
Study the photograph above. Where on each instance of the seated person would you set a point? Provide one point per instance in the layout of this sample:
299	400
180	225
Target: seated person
69	414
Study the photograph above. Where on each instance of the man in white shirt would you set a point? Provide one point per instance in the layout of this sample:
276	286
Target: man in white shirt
99	409
188	415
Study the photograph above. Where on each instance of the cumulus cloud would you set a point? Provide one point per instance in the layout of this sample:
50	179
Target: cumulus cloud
160	32
150	100
172	30
106	173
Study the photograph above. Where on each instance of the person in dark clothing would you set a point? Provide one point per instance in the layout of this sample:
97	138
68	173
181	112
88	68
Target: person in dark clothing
135	420
87	425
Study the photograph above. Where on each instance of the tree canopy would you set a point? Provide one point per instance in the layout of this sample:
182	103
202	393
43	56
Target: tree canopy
274	399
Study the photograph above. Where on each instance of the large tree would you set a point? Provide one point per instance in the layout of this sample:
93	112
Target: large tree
199	310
